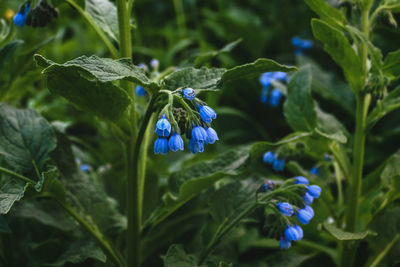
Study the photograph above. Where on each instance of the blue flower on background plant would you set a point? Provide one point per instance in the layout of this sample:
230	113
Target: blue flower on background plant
275	98
161	146
195	146
304	216
314	171
327	157
155	64
20	17
285	208
264	95
308	199
291	234
199	134
163	127
140	91
268	185
284	244
314	191
212	136
143	66
85	168
175	143
189	94
207	113
301	44
266	80
269	157
278	165
301	180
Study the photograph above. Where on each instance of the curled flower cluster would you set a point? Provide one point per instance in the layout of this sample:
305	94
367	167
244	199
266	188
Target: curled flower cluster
20	17
300	45
273	97
39	16
272	158
198	130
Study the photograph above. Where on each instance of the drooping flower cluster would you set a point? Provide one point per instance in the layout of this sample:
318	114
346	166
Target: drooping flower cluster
196	125
272	97
278	164
39	16
300	45
20	17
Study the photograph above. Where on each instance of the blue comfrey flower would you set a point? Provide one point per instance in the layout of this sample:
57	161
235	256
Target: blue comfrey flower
301	44
143	66
154	63
195	146
308	199
207	113
284	244
304	216
301	180
175	143
285	208
275	98
327	157
268	185
314	191
140	91
269	157
20	17
291	234
85	168
280	76
278	165
265	79
314	171
264	95
161	146
212	136
163	127
309	210
199	134
189	94
300	232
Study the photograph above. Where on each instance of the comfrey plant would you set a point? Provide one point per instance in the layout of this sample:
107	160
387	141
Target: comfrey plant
272	97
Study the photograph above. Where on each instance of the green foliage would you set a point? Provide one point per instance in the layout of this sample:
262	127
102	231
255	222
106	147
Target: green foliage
327	13
390	103
104	13
342	235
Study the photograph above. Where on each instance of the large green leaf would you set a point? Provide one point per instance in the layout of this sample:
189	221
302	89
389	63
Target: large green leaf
251	70
25	139
7	51
391	65
390	103
330	127
299	108
340	49
11	190
104	13
342	235
326	12
177	257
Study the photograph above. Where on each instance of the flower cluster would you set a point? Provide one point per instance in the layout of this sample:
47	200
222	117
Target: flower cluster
155	64
272	158
196	124
40	15
300	45
20	17
272	97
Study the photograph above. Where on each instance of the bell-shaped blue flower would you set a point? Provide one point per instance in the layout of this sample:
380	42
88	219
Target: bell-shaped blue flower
265	79
285	208
140	91
301	44
291	234
275	98
163	127
269	157
199	134
308	199
85	168
299	232
301	180
20	17
161	146
279	75
278	165
314	191
207	113
175	142
284	244
304	216
195	146
154	63
212	136
268	185
189	94
264	95
309	210
314	171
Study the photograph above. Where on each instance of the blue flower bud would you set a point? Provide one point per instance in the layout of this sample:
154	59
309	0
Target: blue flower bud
20	17
327	157
284	244
195	146
268	185
279	75
207	113
299	232
175	142
291	234
85	168
308	199
285	208
212	136
314	191
163	127
309	210
199	134
314	171
302	44
278	165
304	216
161	146
189	94
265	79
140	91
275	98
143	66
301	180
264	95
154	63
269	157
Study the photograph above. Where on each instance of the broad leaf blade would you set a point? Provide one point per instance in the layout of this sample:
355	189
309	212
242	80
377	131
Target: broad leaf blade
391	65
390	103
326	12
104	13
11	190
342	235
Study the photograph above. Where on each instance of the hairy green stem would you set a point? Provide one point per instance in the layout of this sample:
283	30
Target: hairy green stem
16	175
113	254
95	27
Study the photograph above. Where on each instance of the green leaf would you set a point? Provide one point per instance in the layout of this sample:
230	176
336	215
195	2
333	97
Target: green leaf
202	58
251	70
390	177
177	257
330	127
7	51
11	190
4	228
390	103
286	259
340	49
104	13
342	235
25	139
203	78
391	65
299	108
326	12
